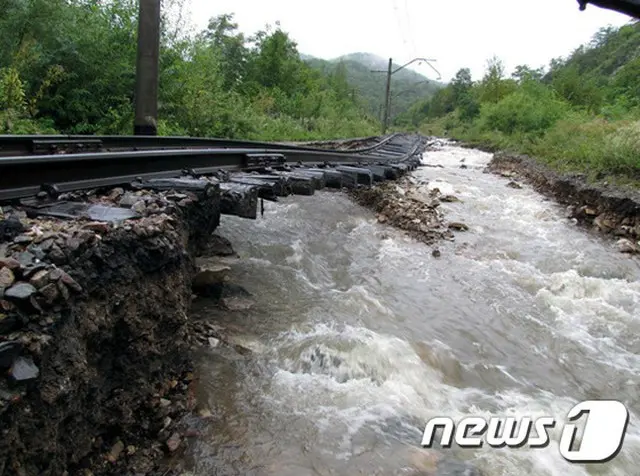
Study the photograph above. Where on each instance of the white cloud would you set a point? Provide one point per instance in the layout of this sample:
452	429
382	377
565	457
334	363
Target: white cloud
463	33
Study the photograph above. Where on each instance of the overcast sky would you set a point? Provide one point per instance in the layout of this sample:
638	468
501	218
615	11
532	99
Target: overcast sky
462	33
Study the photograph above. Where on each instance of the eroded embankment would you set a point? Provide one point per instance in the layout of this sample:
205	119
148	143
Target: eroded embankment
606	209
94	333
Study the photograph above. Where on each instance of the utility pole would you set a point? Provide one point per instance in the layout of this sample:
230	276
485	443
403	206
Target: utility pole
387	98
147	69
390	72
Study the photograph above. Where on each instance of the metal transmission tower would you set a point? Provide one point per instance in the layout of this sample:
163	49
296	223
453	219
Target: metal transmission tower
147	69
390	72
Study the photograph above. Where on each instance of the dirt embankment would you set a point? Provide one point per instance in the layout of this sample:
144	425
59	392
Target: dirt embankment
94	334
607	209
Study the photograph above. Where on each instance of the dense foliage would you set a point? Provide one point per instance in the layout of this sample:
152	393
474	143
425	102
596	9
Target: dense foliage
69	66
582	114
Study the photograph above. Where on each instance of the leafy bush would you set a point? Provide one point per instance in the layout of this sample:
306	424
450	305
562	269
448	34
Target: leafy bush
530	110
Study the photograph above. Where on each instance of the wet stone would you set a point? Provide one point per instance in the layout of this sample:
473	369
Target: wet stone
173	443
29	272
22	239
37	252
24	369
25	259
10	263
50	292
115	452
458	226
449	198
129	199
10	228
64	291
20	292
514	184
57	256
40	279
69	281
6	277
55	274
97	226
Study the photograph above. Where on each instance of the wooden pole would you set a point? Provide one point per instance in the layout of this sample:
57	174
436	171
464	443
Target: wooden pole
147	69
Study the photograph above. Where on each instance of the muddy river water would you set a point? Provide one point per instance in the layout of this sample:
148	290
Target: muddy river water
360	335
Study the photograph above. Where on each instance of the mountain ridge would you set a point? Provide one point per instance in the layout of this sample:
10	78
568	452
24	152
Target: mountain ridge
407	85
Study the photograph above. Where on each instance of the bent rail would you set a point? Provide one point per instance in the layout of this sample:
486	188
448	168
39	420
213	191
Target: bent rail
26	173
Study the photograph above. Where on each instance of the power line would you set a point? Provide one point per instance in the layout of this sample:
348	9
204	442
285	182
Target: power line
401	29
409	27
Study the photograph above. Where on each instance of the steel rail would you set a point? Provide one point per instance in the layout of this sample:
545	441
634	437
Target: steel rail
14	145
24	176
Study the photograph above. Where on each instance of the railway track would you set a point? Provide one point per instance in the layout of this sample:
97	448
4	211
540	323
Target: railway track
37	170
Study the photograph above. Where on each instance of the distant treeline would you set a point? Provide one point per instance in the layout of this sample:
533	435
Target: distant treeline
68	66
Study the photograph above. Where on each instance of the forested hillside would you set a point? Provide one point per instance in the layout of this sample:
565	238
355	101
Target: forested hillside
407	86
581	113
68	66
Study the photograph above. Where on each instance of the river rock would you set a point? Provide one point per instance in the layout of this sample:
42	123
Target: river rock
458	226
10	228
97	226
56	255
50	292
604	223
219	246
514	184
22	239
6	278
129	199
23	370
115	452
210	275
173	443
20	292
25	259
449	198
40	279
69	281
10	263
627	246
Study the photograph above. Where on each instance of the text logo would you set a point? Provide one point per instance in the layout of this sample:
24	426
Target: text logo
603	423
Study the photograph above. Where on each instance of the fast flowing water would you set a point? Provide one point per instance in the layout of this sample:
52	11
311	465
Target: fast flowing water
360	335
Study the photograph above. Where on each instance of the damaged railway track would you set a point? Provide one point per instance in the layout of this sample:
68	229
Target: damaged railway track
243	171
98	245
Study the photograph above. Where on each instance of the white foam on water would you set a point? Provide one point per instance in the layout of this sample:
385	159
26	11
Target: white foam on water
573	301
350	378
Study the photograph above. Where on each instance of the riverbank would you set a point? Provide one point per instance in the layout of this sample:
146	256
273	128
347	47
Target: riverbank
95	339
605	208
